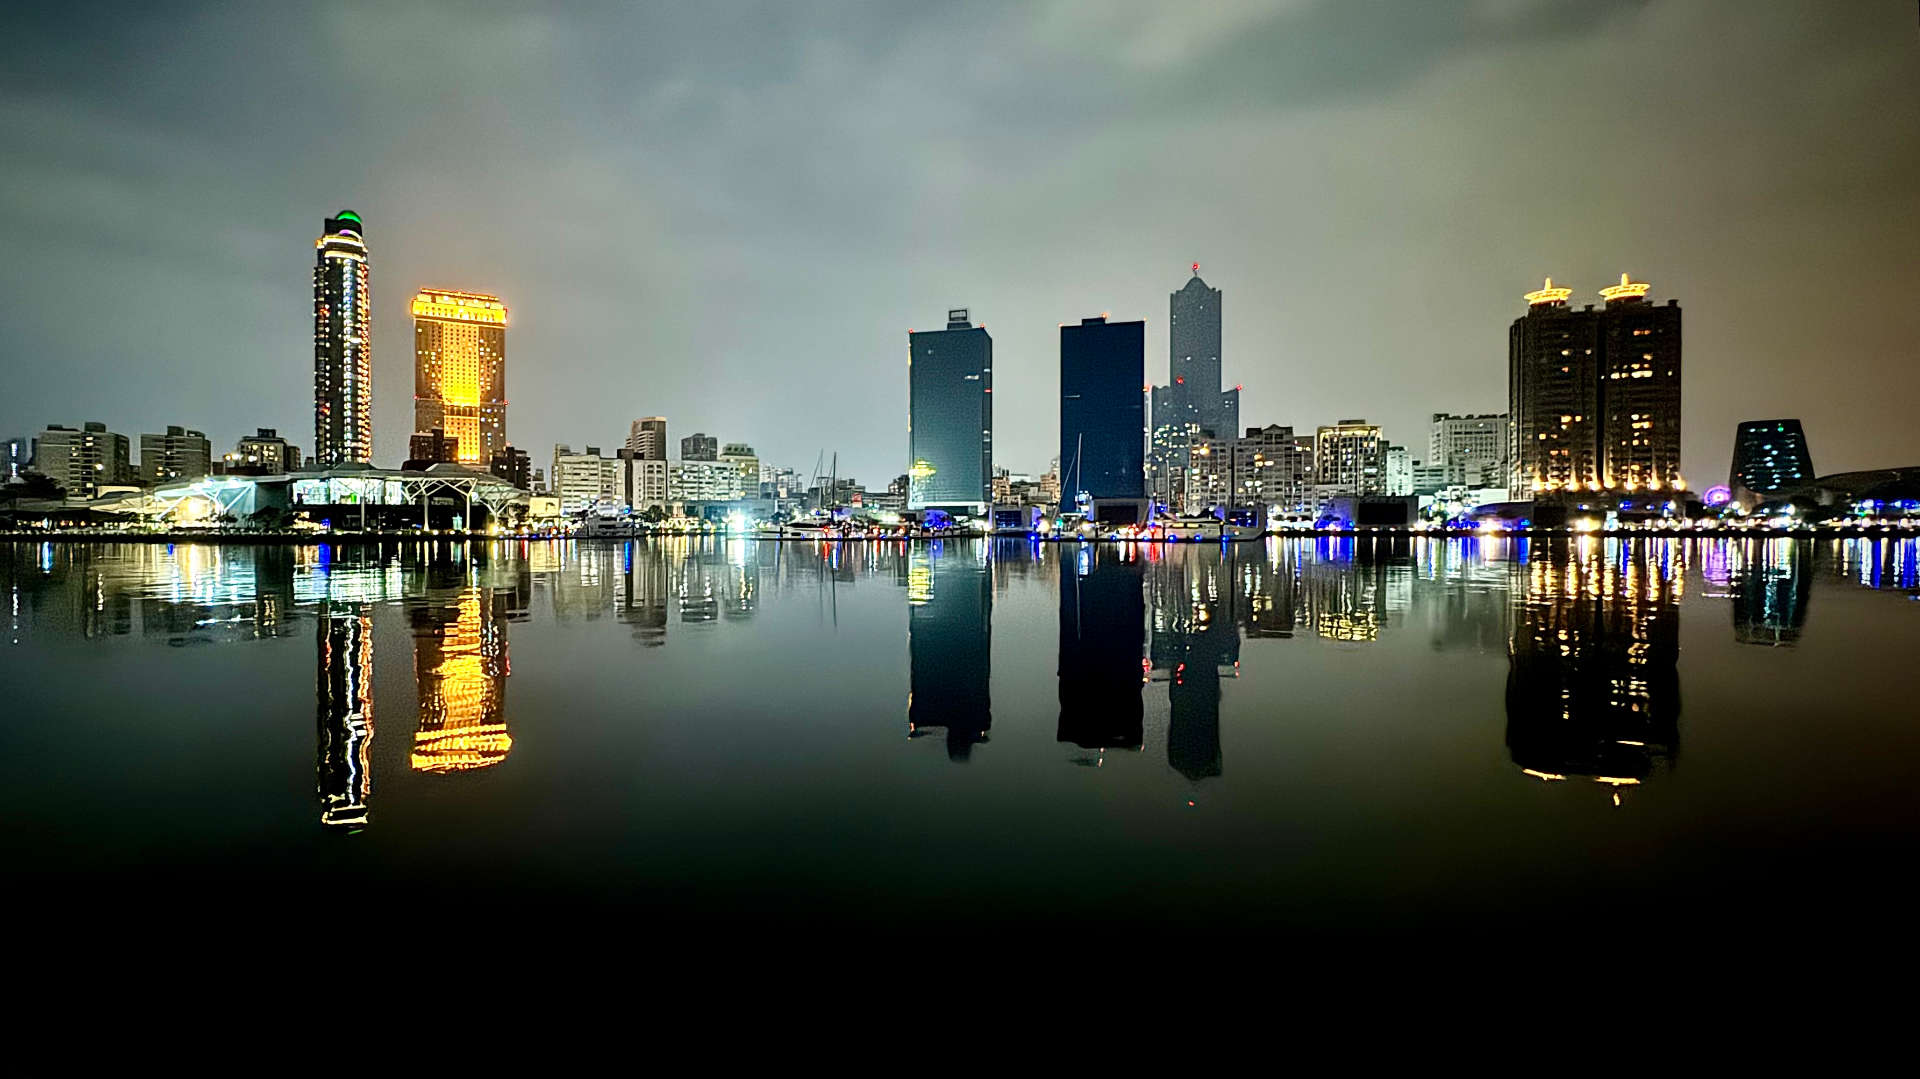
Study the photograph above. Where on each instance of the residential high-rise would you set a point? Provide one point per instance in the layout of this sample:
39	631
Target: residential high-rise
1350	458
950	416
342	345
1261	468
1639	390
1396	470
82	460
747	463
1471	450
647	438
699	446
1103	418
514	466
179	454
435	447
1192	404
265	451
582	480
1769	456
460	370
1594	396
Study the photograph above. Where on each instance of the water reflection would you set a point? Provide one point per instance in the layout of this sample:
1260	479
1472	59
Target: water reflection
949	647
1102	614
1589	630
1592	689
344	688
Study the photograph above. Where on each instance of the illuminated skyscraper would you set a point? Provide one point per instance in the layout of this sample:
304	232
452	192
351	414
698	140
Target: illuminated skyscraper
1191	405
950	416
460	370
342	345
1594	396
1769	456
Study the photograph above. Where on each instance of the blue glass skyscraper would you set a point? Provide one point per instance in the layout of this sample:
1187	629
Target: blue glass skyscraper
950	417
1103	416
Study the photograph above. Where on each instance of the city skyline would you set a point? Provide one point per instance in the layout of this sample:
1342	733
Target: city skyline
1359	291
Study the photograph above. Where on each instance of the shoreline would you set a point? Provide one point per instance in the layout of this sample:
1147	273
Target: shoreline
369	539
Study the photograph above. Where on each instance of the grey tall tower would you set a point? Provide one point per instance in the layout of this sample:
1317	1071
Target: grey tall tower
950	416
342	345
1192	404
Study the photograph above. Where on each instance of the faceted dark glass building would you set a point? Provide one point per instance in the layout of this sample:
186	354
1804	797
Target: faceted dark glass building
1103	410
1770	455
342	345
950	417
1593	397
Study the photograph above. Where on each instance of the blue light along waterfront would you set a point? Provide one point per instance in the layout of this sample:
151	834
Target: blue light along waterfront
1330	732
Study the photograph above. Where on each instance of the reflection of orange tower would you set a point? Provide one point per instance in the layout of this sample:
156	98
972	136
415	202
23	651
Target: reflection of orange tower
460	663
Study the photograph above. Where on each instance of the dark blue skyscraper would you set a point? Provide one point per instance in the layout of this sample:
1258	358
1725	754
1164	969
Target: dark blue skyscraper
950	416
1770	455
1103	417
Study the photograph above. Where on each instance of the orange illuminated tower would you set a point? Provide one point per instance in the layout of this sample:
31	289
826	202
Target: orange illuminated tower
460	370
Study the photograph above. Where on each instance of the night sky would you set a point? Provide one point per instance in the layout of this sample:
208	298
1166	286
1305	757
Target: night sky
732	214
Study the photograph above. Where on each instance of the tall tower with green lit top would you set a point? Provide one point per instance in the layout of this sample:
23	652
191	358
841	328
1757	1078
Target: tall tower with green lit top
342	345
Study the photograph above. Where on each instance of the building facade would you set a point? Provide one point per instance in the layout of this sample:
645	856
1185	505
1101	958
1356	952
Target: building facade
1193	403
1397	470
342	345
1102	411
647	438
950	416
583	480
266	451
699	446
513	465
1260	468
1594	396
1350	458
703	481
84	459
747	463
1471	449
178	454
460	370
433	447
1769	456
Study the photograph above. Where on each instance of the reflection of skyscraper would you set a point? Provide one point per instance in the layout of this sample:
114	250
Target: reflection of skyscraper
344	689
460	664
1195	636
1592	688
1102	608
1774	586
949	647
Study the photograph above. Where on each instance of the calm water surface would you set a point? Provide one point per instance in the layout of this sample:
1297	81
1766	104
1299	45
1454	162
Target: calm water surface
1611	735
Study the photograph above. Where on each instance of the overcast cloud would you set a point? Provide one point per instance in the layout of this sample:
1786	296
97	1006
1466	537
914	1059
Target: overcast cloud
731	214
